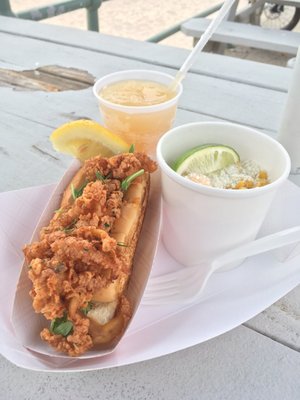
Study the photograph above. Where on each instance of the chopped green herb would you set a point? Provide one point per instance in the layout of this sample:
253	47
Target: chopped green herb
69	228
122	244
78	192
59	210
88	308
127	181
61	326
59	268
100	177
106	225
85	249
131	149
73	190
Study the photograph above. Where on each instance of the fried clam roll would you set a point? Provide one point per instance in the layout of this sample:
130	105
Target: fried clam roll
81	265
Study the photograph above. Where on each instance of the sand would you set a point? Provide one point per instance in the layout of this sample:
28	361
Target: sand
140	19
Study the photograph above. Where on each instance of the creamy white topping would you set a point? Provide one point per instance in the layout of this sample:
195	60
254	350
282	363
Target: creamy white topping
103	312
229	177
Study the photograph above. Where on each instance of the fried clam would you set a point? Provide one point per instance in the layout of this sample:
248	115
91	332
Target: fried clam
82	263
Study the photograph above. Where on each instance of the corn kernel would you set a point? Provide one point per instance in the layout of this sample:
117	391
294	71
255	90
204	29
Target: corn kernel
263	175
240	184
249	184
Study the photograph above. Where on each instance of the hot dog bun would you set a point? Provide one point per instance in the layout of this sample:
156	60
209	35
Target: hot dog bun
81	266
107	316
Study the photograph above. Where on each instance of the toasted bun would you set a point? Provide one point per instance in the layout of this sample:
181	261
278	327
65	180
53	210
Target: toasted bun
126	230
110	309
77	181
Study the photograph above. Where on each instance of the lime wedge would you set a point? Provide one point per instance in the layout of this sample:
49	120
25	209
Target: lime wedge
205	159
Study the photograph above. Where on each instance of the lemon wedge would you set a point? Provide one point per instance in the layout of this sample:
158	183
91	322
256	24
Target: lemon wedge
84	139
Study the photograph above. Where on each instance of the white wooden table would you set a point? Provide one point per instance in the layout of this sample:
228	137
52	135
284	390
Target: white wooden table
258	360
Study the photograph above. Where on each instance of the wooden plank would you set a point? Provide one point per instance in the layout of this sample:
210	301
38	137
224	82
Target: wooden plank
213	65
240	364
25	144
217	98
293	3
73	74
25	137
246	35
281	321
49	78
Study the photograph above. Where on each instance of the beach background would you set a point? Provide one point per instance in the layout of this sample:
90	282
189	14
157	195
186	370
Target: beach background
140	19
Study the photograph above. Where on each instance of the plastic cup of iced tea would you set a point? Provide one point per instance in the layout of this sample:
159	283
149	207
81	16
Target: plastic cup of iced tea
138	105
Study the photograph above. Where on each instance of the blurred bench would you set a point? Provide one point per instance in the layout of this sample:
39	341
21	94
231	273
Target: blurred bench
245	35
52	10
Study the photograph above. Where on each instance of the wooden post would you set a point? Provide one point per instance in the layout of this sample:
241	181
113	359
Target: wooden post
92	15
5	8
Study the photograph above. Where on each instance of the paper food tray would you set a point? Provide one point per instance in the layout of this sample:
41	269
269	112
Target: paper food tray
27	324
229	299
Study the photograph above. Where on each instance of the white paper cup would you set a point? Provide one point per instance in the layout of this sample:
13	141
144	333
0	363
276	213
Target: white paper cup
138	125
201	222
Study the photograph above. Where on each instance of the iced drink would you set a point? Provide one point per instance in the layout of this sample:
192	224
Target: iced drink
138	105
137	93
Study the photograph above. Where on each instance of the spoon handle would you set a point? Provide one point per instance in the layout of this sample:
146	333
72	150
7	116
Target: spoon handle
258	246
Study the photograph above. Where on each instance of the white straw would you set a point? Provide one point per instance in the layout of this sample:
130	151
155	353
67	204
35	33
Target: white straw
202	42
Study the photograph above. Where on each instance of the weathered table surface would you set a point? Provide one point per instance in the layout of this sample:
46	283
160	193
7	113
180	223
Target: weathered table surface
258	360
